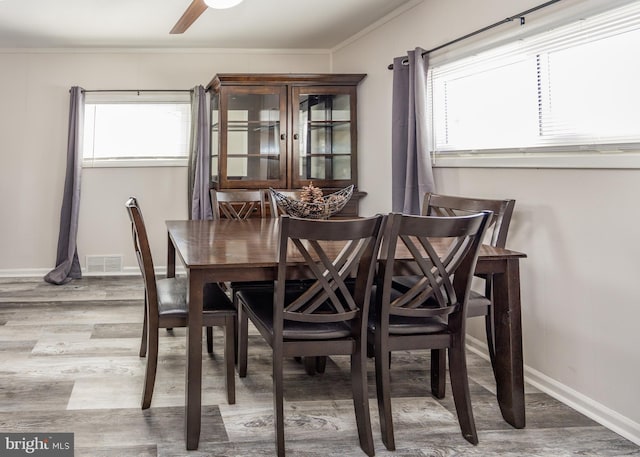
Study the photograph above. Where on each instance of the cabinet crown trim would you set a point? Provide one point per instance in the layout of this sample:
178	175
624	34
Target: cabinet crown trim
261	79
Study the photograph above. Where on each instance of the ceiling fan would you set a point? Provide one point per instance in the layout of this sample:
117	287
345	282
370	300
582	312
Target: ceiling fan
195	9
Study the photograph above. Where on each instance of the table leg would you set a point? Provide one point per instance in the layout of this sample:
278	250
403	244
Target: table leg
171	258
508	344
193	382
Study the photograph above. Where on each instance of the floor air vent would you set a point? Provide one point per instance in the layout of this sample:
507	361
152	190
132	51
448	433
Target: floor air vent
104	263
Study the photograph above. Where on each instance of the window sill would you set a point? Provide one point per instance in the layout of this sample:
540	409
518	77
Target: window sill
131	163
594	160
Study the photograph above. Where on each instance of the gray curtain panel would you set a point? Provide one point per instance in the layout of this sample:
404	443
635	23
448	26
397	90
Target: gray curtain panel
199	160
412	175
67	263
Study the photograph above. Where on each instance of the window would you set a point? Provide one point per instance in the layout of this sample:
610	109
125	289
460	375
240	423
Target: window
572	89
122	128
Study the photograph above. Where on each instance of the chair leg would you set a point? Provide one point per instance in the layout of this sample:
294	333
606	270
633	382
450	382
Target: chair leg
383	392
236	331
370	350
488	322
210	340
438	373
143	343
278	401
460	390
152	364
309	364
243	340
321	363
229	357
360	389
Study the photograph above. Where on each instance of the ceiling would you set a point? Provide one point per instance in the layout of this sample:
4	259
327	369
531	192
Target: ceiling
254	24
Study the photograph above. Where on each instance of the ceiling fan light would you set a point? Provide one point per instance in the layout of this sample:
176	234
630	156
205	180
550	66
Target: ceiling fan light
222	4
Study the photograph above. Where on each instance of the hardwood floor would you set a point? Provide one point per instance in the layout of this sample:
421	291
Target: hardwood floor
69	363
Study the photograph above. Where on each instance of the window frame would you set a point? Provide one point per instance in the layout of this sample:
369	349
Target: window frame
600	156
135	97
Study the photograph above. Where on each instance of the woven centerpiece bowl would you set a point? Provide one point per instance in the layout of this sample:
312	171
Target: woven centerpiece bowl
331	204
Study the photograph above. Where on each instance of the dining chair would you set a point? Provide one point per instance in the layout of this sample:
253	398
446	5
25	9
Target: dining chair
497	231
326	317
312	365
237	204
431	314
165	306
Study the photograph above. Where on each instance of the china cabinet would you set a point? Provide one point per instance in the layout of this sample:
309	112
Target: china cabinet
285	131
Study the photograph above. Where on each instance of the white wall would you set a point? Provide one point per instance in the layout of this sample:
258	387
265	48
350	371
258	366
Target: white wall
579	228
34	105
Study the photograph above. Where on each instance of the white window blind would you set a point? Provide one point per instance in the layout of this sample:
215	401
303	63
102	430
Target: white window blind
129	126
574	88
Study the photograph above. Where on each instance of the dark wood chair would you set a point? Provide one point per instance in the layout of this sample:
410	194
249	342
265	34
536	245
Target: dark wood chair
237	204
479	304
324	318
431	314
165	303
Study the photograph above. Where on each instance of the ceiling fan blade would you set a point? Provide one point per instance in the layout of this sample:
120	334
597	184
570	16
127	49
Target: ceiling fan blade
192	13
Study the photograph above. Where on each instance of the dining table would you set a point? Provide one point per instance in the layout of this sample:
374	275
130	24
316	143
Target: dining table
228	250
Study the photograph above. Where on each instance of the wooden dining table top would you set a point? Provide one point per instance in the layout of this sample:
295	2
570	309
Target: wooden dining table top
254	243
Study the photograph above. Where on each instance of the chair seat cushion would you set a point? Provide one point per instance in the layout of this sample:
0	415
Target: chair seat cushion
172	297
235	285
406	325
216	300
403	325
478	305
258	303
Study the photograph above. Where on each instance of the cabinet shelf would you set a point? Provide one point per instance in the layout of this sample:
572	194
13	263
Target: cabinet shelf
325	154
328	123
256	154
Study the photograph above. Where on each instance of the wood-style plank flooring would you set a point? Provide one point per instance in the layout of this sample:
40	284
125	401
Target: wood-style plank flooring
69	363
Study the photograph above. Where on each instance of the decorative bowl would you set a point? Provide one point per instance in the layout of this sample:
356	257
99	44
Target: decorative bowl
331	204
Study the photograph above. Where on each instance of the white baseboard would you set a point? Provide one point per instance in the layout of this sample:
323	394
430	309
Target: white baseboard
41	272
24	273
600	413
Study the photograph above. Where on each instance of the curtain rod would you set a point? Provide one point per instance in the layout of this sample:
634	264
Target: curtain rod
520	16
137	90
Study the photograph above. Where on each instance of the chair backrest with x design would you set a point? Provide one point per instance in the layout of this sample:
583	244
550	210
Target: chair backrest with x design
342	276
449	205
445	251
237	204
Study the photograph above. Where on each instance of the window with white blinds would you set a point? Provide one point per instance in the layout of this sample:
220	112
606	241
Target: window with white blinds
575	88
124	128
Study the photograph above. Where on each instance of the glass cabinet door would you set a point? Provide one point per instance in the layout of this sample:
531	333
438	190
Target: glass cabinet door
324	142
253	134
